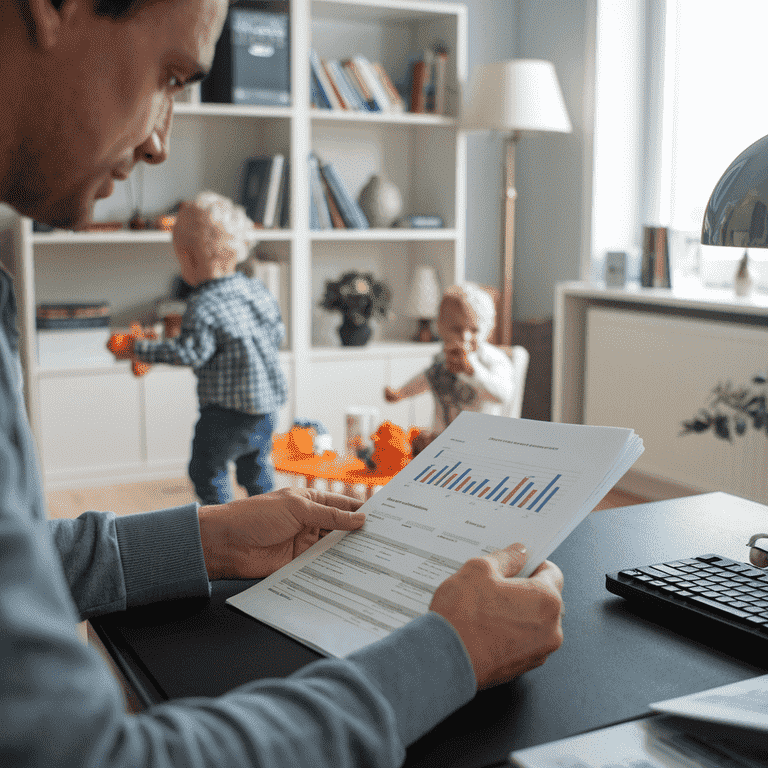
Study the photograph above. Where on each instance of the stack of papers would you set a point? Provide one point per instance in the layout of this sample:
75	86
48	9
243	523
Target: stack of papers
724	727
483	484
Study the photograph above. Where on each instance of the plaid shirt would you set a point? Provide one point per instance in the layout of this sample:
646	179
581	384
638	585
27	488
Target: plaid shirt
230	336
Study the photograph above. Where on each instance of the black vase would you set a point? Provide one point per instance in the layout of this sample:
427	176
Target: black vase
354	334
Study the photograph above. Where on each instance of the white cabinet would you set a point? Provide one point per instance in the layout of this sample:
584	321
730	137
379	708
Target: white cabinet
423	154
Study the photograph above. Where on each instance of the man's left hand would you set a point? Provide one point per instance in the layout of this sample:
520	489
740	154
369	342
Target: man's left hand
252	538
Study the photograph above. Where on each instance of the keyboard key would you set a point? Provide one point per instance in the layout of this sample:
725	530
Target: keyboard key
668	570
720	607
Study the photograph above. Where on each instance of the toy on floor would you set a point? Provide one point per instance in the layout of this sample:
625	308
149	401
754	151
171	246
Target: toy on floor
119	342
391	449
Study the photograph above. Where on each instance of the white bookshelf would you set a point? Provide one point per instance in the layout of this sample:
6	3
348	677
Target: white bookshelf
423	154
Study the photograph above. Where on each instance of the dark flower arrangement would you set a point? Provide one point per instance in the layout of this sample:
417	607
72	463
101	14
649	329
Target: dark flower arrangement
358	296
731	410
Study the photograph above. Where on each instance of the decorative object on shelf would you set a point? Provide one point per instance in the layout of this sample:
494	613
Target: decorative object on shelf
742	283
423	302
512	97
359	297
654	271
73	315
420	221
731	409
381	201
251	62
615	269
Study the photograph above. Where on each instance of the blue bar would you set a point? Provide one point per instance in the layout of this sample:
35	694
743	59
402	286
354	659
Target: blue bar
437	475
438	453
521	494
458	479
551	494
500	494
479	486
537	499
488	497
423	471
449	471
469	486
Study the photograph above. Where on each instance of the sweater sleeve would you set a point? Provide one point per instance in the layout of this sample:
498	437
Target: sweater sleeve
112	563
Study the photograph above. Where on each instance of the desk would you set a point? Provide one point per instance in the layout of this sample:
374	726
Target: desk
613	663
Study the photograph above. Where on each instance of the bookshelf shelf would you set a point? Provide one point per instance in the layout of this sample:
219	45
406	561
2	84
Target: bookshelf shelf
424	155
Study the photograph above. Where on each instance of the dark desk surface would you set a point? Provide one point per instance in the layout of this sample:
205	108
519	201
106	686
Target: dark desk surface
613	663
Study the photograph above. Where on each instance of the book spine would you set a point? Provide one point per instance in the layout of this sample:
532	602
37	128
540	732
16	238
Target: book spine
367	74
285	197
322	79
441	81
336	218
359	85
398	105
318	95
350	211
418	103
273	191
350	94
335	86
316	187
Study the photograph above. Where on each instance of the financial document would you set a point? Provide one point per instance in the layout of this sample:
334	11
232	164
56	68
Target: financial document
484	483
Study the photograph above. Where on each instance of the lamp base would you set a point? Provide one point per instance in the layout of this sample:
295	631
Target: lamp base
424	333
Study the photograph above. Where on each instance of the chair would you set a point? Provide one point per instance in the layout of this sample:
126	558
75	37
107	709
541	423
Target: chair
520	359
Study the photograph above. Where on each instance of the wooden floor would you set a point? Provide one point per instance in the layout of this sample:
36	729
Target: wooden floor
162	494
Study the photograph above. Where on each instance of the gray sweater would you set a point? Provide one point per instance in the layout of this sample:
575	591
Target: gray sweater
59	704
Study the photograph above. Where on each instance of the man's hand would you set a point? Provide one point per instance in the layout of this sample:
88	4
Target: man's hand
508	625
251	538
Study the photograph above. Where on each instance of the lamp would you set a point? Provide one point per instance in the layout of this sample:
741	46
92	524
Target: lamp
510	97
737	211
423	302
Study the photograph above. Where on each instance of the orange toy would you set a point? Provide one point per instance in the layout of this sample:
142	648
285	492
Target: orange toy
392	449
119	342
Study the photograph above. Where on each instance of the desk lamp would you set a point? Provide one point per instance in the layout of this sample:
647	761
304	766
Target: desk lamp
510	97
424	302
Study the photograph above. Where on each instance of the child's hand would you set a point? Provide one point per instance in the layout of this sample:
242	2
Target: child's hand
456	359
121	345
392	395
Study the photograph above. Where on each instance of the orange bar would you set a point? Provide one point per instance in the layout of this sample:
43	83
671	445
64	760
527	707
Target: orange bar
452	477
527	497
484	491
514	490
427	476
462	483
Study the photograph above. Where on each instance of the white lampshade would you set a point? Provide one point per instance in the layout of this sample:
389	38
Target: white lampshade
424	297
517	95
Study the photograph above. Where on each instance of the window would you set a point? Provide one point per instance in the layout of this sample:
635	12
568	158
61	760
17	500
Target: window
692	74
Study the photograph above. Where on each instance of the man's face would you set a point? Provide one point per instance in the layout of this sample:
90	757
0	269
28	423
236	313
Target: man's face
103	101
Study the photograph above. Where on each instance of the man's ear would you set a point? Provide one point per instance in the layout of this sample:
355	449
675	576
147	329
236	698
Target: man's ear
45	20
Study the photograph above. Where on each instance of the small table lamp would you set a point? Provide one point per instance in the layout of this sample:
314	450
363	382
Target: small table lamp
510	97
423	302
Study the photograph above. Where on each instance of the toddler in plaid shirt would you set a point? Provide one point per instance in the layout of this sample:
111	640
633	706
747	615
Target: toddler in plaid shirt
230	336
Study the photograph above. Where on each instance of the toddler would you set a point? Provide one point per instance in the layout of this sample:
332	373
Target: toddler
469	374
230	336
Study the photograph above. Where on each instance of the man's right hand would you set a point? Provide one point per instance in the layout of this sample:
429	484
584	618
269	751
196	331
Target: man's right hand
508	625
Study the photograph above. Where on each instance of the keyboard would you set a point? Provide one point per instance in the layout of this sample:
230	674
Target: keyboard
708	596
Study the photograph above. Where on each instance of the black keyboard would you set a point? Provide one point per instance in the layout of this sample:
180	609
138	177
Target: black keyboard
709	595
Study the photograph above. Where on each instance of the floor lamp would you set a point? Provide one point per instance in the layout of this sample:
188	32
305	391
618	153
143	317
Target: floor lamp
510	97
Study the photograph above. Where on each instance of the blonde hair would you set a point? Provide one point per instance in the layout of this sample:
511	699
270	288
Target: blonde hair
215	226
479	301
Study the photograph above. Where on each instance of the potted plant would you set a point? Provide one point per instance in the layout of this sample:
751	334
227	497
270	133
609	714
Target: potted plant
359	297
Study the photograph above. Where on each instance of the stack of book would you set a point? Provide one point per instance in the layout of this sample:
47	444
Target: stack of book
331	206
355	84
265	191
429	82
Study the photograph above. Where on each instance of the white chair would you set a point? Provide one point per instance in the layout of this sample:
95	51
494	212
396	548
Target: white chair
520	359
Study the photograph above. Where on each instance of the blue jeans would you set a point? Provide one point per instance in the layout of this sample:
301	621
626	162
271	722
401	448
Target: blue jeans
223	435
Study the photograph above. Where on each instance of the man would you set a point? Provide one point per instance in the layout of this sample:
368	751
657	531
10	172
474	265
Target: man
87	88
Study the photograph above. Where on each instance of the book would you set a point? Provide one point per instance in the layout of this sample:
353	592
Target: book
274	184
284	200
440	81
483	483
318	98
365	94
418	77
349	94
395	99
421	221
336	218
255	187
367	74
317	195
349	208
322	80
343	103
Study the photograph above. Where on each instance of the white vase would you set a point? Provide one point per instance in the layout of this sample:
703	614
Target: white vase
381	201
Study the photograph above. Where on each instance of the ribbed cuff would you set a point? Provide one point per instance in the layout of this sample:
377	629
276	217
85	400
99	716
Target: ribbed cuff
424	671
162	555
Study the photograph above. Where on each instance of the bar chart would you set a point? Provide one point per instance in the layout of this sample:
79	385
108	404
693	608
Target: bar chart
521	487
